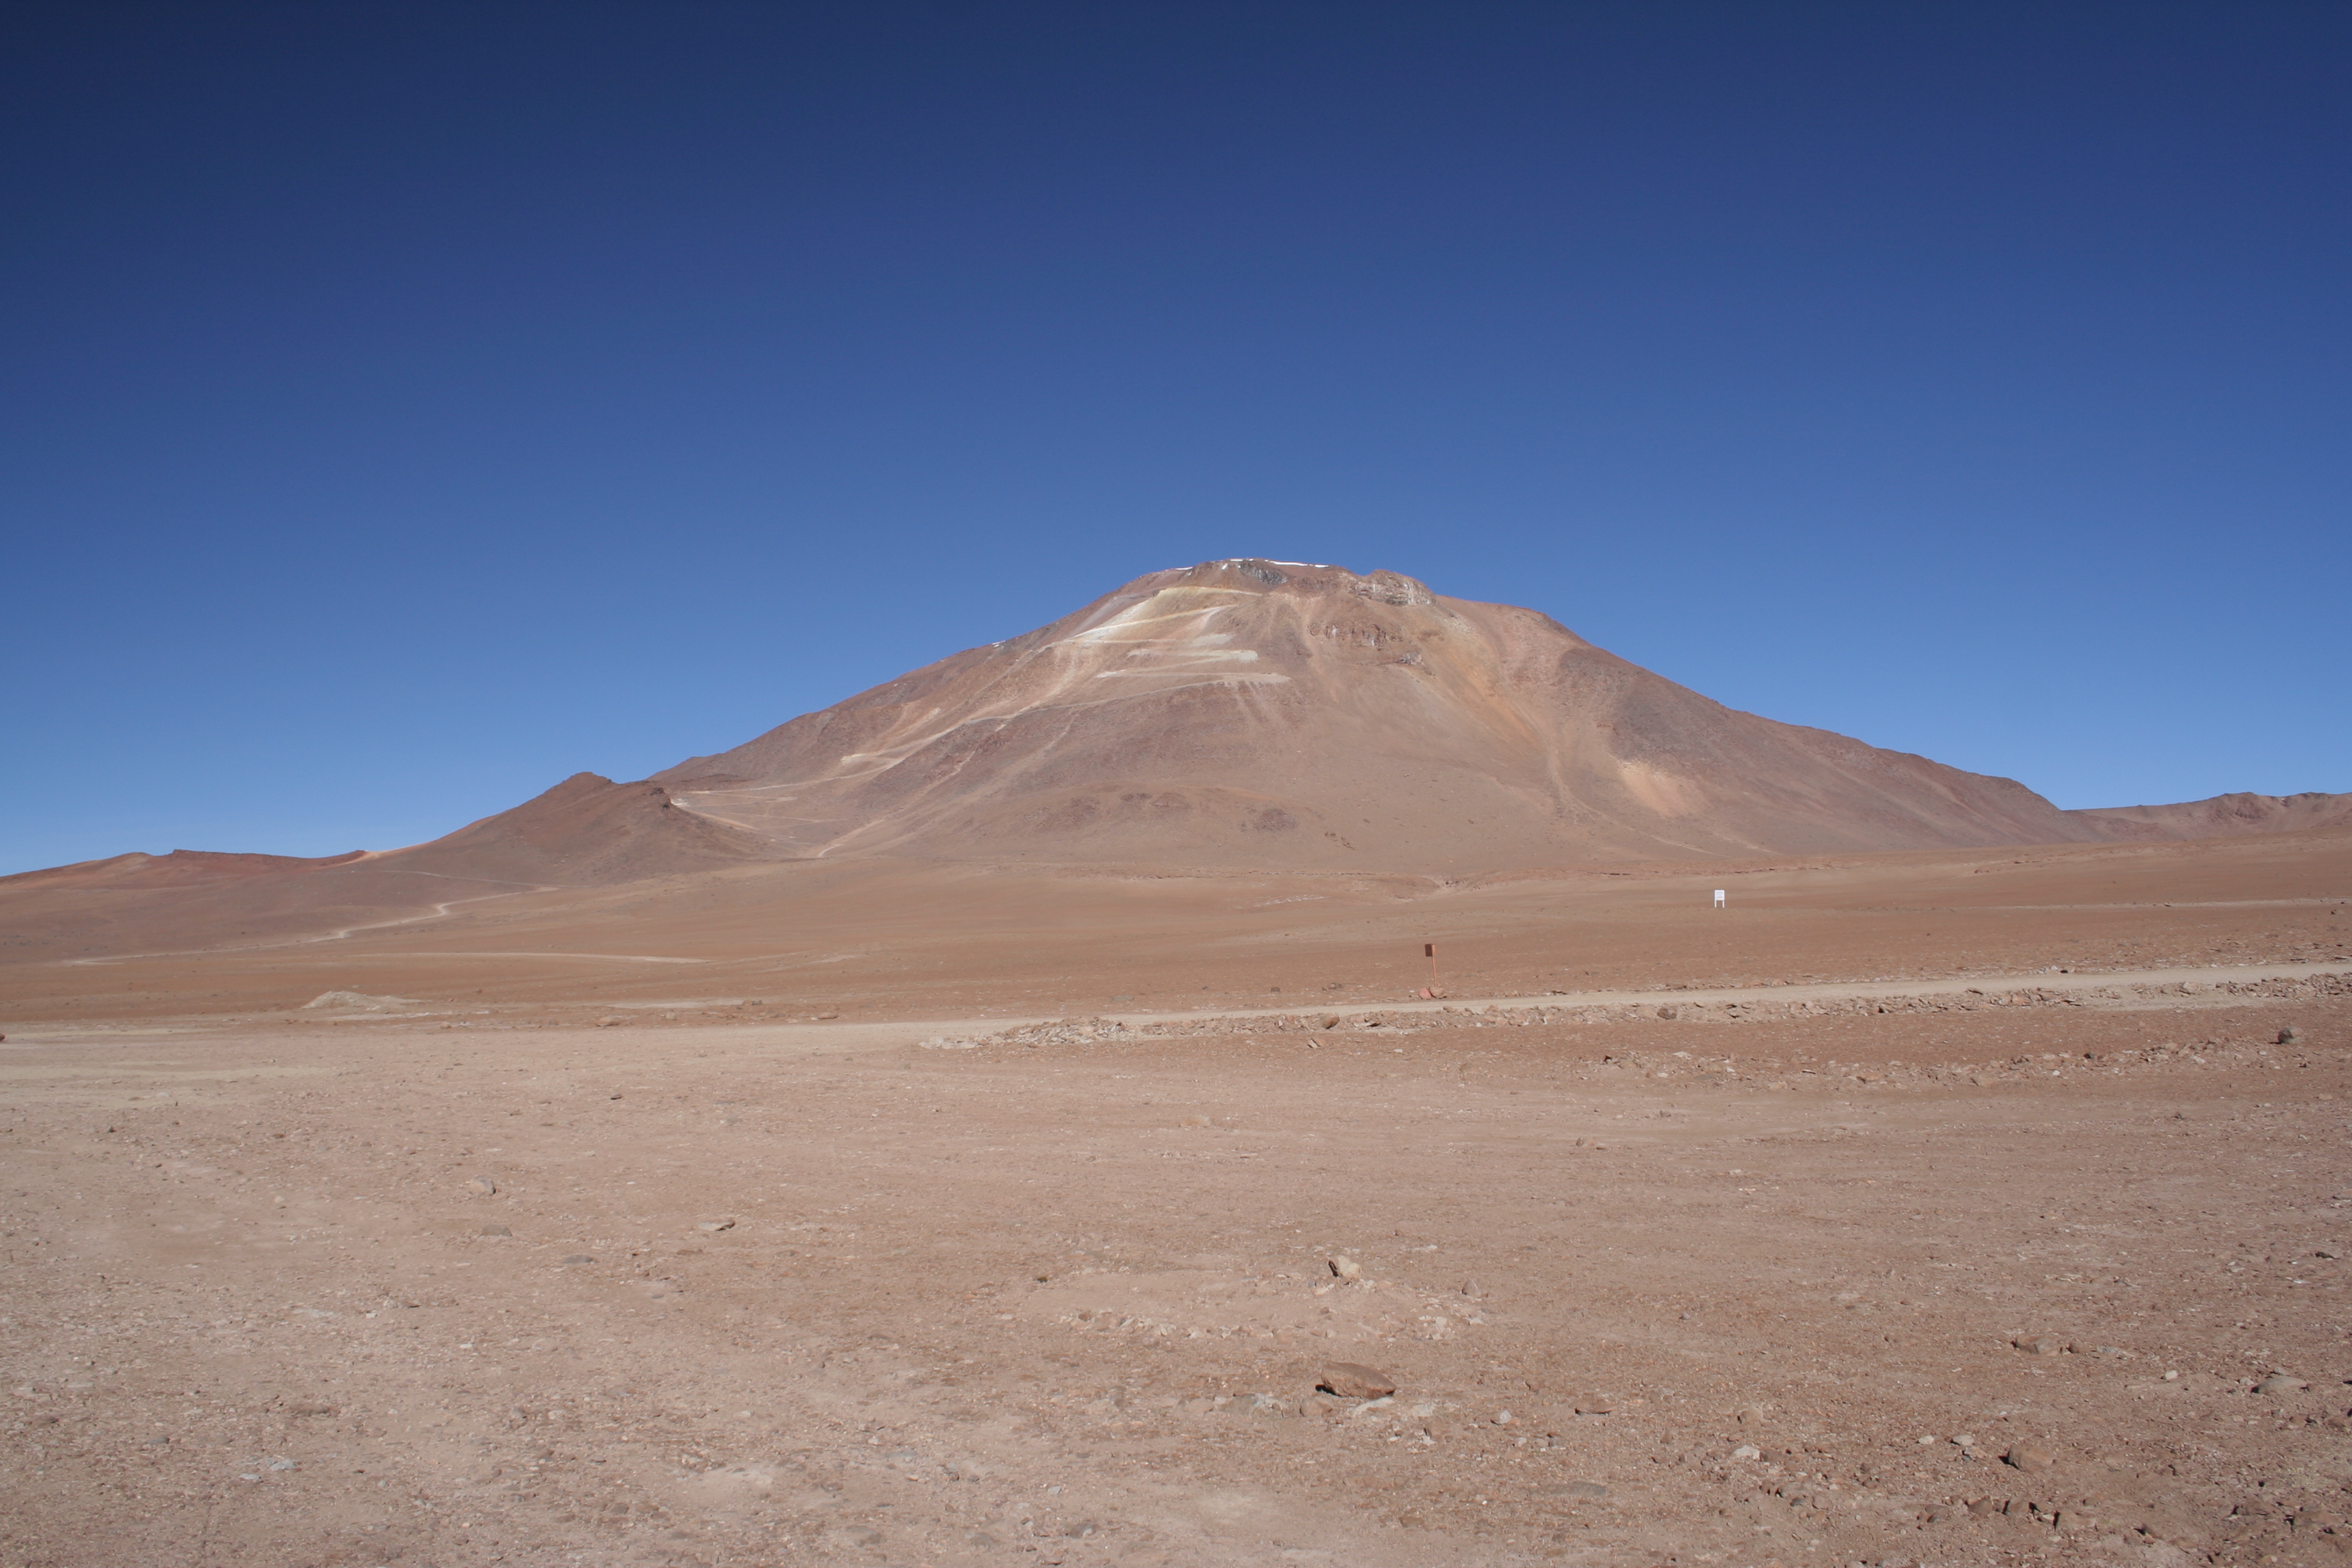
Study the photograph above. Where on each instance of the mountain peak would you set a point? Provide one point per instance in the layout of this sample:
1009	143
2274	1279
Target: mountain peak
1252	712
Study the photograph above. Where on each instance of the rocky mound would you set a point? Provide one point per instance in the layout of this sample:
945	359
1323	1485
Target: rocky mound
587	831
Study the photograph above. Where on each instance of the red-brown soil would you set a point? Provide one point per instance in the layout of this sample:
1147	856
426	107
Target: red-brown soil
991	1291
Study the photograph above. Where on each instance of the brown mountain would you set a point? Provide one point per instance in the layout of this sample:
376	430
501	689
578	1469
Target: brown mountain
1254	712
2222	816
1233	714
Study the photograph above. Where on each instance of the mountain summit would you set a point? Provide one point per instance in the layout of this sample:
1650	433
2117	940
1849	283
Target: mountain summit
1264	712
1236	715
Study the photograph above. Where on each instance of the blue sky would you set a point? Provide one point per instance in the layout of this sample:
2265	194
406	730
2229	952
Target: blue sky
404	406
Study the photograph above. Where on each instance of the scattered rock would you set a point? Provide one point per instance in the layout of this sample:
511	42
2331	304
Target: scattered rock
2290	1036
1504	1418
1353	1380
578	1258
481	1186
1751	1417
1347	1269
2029	1457
1472	1289
1192	1121
716	1224
607	1024
1597	1404
1081	1529
2280	1382
1748	1451
980	1539
2043	1345
279	1465
494	1230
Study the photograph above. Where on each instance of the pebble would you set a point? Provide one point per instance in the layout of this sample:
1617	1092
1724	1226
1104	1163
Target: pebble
578	1258
2290	1036
2280	1382
494	1230
607	1023
716	1224
1595	1407
2041	1345
280	1465
1353	1380
1192	1122
1347	1269
1504	1418
1472	1289
1751	1417
2029	1458
481	1186
1748	1451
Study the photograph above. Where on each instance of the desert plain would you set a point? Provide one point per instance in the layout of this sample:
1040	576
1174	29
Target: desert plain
1948	1206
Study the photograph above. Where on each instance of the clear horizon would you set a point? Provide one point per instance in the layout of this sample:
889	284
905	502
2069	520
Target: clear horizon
408	408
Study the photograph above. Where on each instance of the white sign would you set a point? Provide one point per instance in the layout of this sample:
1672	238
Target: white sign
1719	897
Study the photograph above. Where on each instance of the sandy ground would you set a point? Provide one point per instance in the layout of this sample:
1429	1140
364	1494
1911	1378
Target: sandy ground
1746	1239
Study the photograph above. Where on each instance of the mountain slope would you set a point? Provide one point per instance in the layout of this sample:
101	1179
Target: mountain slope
1256	712
2222	816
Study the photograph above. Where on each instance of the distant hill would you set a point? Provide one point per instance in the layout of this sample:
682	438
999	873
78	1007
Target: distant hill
1235	714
